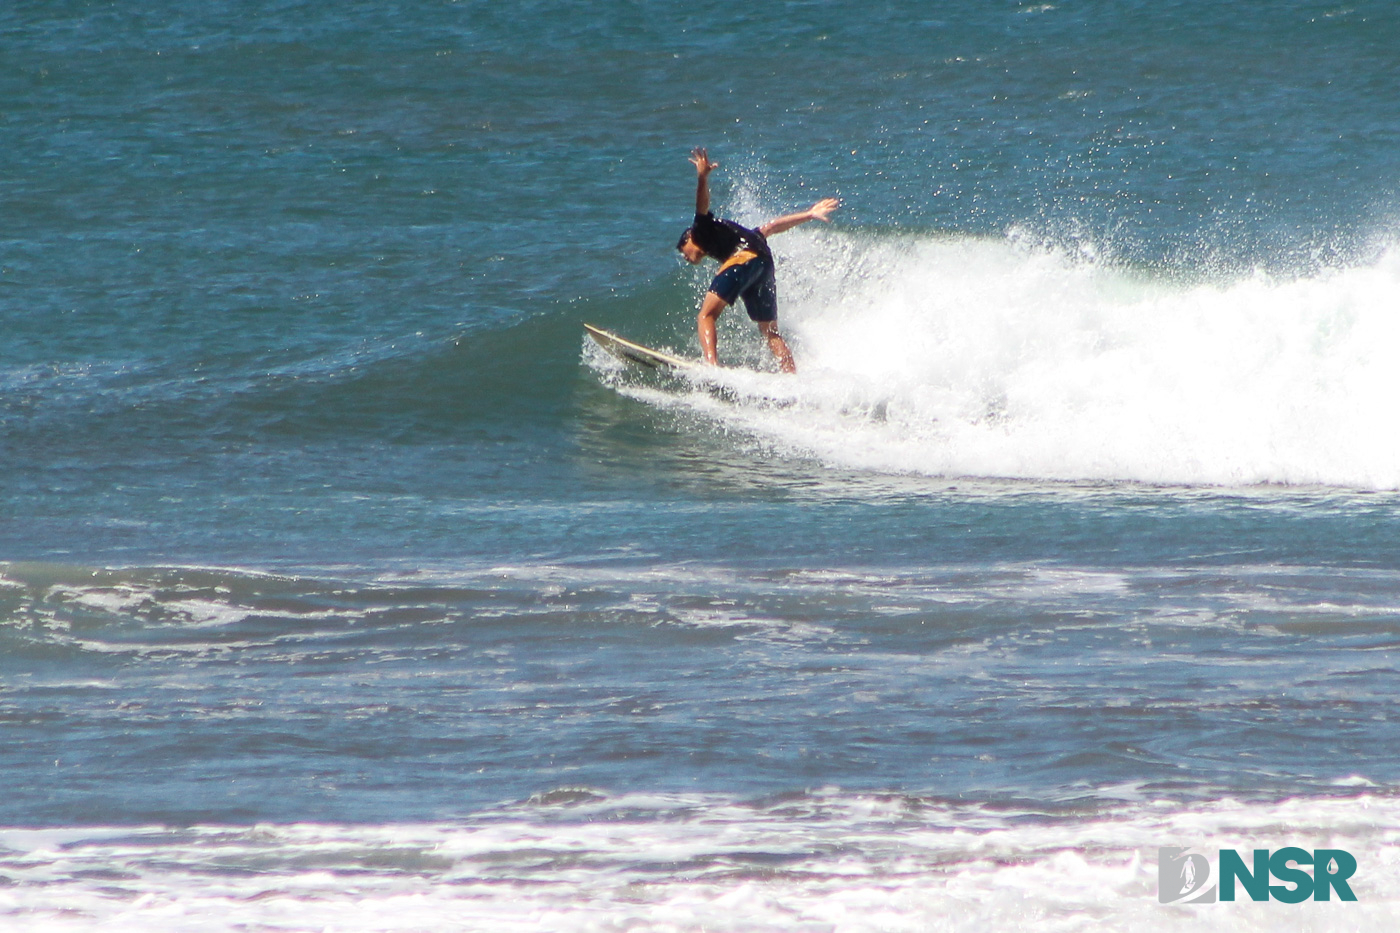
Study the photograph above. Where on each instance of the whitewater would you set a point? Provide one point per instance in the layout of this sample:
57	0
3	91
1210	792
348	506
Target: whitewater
578	861
1003	358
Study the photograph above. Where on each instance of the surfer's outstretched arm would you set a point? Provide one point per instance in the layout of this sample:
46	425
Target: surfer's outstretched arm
819	211
703	167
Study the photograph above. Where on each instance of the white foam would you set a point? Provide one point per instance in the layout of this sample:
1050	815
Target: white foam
818	861
966	357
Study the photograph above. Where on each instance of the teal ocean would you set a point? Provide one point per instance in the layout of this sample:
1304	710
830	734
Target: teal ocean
343	585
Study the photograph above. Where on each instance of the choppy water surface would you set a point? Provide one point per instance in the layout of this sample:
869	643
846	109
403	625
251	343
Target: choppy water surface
342	585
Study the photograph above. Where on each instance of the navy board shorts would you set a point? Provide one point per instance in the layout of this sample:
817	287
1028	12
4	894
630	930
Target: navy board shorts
752	281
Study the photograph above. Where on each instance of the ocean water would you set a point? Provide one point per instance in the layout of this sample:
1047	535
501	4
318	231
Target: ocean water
344	586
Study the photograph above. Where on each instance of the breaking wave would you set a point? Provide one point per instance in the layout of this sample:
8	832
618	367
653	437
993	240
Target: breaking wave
993	358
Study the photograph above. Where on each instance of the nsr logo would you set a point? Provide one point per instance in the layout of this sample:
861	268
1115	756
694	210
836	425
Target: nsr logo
1182	875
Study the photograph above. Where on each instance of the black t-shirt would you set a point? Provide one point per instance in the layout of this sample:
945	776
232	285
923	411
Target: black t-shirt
721	239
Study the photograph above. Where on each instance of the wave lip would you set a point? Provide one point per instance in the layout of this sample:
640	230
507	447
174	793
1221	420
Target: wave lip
980	357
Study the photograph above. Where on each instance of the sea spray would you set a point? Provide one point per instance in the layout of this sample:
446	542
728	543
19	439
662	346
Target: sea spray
983	357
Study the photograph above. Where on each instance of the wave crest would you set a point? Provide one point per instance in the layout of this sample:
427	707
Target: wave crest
984	357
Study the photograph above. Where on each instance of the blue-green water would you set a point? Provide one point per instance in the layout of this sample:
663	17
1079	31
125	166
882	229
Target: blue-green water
327	545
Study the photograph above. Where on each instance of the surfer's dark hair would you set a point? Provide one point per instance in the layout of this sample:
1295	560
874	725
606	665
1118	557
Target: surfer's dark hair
685	235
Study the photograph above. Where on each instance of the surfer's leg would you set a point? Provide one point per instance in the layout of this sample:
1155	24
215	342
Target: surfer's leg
761	301
725	289
777	345
710	310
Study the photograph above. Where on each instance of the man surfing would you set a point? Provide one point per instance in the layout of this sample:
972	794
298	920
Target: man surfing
746	265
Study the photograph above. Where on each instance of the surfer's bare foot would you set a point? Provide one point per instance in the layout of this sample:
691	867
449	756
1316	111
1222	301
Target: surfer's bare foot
777	346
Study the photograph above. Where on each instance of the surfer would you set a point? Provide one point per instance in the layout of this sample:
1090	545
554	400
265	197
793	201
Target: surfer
746	265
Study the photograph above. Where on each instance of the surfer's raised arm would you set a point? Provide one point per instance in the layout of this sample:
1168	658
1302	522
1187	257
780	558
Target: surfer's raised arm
819	211
703	167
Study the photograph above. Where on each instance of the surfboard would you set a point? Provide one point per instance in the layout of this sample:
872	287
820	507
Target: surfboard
630	352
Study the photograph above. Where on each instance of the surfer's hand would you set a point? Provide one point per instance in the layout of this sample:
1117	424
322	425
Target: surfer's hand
701	160
823	208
